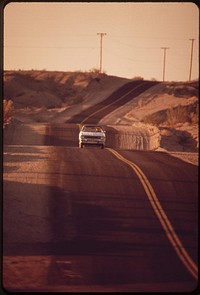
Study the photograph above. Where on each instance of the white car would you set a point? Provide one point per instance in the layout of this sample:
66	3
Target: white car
92	135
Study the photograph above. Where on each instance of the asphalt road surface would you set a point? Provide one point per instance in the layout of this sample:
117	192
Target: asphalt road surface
121	96
92	220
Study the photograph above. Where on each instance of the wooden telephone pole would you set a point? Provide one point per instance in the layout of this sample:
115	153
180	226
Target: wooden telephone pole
190	73
101	59
165	48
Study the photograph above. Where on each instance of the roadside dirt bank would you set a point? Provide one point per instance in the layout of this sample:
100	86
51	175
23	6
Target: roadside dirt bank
137	137
43	97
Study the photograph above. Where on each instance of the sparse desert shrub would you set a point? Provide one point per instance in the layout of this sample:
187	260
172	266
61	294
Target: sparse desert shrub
7	111
183	114
180	114
94	70
155	118
195	117
141	103
185	90
182	90
137	78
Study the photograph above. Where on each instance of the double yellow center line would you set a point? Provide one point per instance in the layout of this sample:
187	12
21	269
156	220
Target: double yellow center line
106	106
165	223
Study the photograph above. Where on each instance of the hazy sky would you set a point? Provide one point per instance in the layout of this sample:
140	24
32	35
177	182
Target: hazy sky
63	37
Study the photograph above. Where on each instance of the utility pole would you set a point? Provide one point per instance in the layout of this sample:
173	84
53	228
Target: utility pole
165	48
190	74
101	37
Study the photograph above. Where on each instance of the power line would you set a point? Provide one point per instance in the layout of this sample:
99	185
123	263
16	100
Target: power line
131	45
51	47
146	37
131	59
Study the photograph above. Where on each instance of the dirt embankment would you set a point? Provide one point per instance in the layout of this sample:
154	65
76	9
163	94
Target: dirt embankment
165	117
172	108
56	90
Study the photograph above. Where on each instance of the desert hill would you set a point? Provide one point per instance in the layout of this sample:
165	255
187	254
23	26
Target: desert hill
44	96
55	89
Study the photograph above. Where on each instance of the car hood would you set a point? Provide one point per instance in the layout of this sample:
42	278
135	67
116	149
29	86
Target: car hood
92	133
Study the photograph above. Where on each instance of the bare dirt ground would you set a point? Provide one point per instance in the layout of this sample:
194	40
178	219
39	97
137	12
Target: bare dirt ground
50	97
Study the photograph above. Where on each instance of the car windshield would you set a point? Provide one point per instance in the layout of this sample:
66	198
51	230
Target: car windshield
92	129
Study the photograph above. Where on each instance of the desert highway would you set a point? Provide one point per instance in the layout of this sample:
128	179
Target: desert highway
121	96
96	220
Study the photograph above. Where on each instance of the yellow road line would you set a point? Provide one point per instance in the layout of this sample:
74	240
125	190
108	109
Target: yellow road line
112	102
165	223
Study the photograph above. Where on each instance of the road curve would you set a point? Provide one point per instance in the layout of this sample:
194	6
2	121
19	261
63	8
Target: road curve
167	226
83	217
118	98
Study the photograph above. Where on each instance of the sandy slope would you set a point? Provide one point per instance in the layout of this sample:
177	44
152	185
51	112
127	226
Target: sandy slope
176	137
42	96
